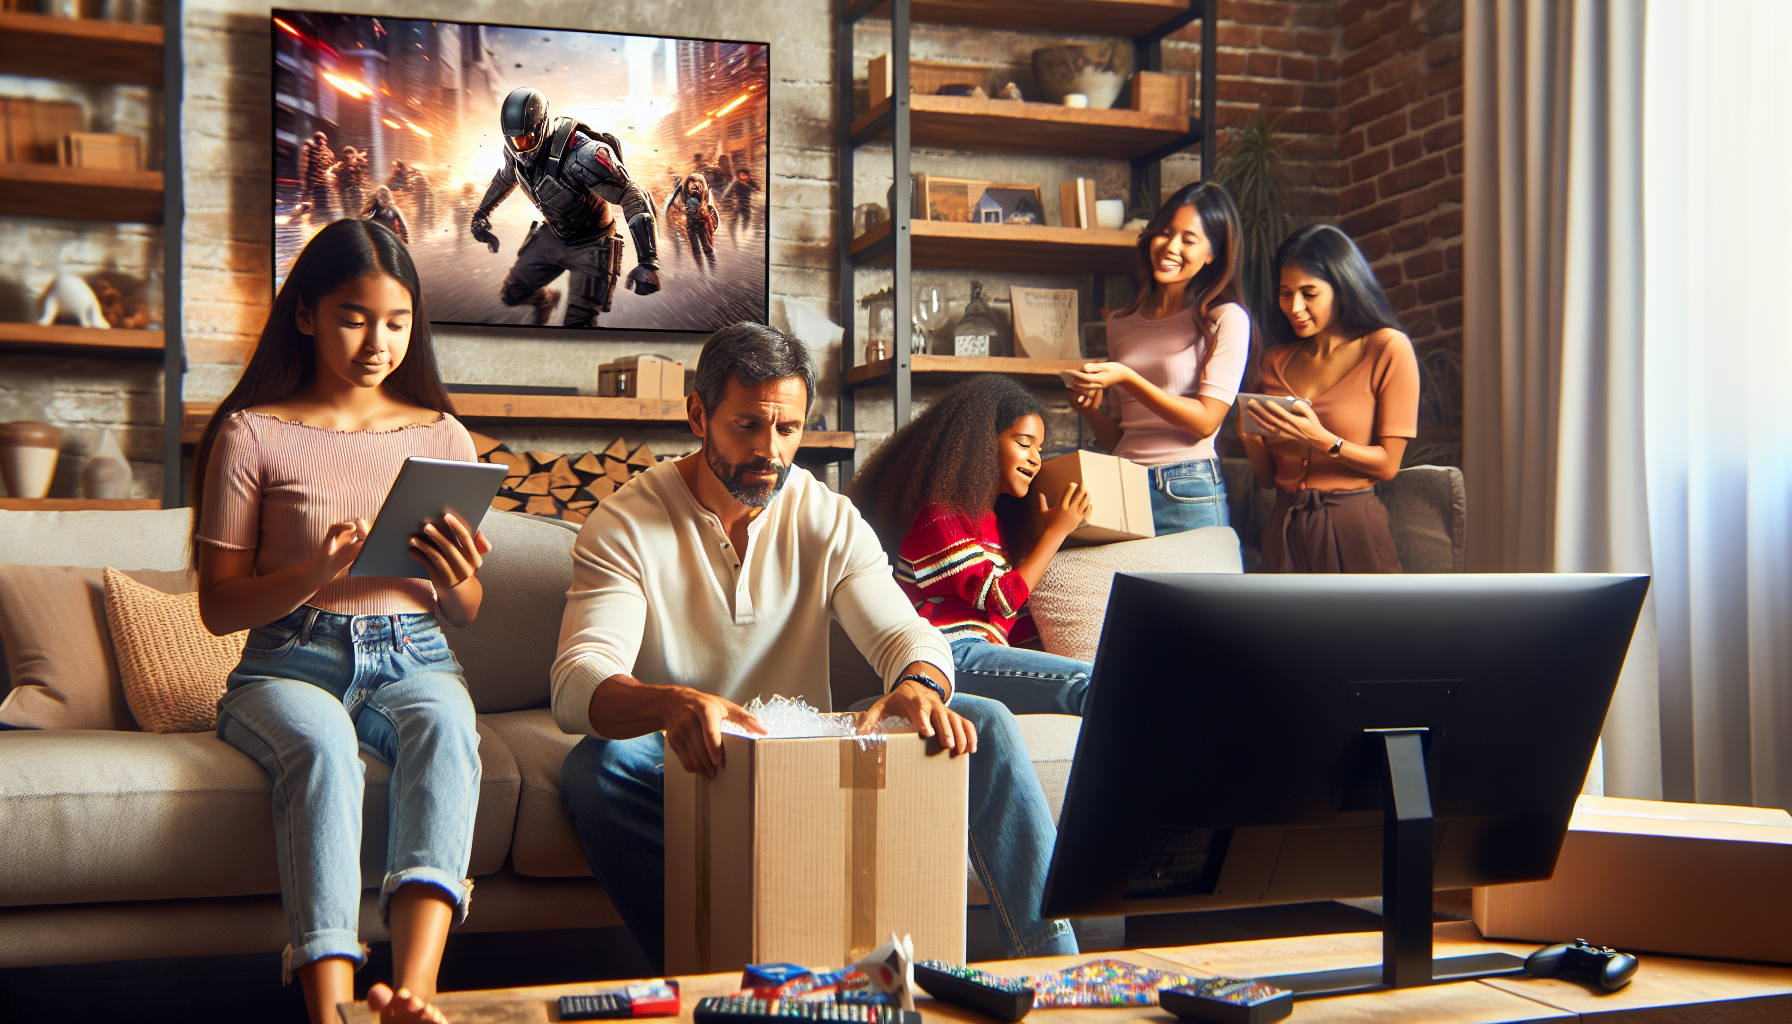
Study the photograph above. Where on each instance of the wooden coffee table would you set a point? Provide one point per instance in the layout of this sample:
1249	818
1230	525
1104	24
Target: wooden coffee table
1665	989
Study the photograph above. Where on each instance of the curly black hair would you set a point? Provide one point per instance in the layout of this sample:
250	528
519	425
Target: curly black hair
946	457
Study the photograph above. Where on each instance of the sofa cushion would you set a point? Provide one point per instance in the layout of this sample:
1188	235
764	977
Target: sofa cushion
95	816
58	648
1071	600
507	652
171	668
546	845
1428	514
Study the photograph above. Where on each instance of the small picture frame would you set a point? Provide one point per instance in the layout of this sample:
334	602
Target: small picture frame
968	201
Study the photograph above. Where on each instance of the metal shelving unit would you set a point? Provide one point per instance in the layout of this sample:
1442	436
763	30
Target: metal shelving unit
995	126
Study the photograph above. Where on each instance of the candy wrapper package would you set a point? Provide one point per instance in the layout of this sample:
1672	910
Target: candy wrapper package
884	978
1104	983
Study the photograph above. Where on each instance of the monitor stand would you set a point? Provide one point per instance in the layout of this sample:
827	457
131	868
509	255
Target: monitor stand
1406	854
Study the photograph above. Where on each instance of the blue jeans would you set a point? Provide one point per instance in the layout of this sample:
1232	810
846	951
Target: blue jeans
1187	496
617	801
312	689
1028	682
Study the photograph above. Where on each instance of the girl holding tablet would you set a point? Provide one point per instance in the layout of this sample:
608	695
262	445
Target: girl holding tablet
1341	351
1179	353
341	389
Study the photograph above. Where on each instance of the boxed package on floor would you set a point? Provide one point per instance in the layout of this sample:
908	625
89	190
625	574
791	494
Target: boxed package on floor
641	377
1120	491
814	851
1691	879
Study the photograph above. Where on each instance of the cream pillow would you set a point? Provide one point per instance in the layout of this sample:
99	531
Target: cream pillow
172	669
1071	601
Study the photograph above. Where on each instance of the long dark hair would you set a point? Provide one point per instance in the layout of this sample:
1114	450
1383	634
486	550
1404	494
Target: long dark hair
1214	284
947	457
1358	303
285	360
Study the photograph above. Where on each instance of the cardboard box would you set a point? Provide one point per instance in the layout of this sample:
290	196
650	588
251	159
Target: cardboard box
641	377
1077	199
814	851
101	152
1646	875
1121	491
1156	92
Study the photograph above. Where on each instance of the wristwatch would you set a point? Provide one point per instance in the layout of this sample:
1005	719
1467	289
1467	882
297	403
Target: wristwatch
1337	446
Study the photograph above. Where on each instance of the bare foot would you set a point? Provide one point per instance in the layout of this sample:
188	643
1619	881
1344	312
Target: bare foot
401	1007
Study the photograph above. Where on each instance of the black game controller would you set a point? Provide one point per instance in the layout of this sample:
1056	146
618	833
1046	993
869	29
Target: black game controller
1610	968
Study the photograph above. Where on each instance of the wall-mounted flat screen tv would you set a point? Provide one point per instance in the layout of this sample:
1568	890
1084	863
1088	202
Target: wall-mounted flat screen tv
544	177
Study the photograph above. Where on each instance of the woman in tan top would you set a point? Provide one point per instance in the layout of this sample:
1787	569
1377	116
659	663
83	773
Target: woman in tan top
1341	352
341	389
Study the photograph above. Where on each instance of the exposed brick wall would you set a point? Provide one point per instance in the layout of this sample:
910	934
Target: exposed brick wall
1370	98
1400	150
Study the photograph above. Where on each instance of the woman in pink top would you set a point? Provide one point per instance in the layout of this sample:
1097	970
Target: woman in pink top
1179	353
342	388
1342	353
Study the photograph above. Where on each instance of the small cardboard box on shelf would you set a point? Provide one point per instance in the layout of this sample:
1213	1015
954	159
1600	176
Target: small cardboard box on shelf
101	152
1120	490
1156	92
1703	880
814	851
641	377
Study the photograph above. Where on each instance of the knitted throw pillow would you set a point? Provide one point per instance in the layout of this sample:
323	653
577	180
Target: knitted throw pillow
172	669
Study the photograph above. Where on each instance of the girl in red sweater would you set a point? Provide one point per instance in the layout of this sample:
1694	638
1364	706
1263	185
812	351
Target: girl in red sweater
947	495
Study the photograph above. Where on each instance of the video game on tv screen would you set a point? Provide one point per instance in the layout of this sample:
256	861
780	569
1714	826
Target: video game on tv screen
528	170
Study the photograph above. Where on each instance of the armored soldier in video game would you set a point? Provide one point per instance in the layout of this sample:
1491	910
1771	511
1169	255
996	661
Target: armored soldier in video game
315	161
573	175
351	181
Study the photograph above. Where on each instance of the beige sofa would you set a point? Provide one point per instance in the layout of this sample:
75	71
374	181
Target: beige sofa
130	845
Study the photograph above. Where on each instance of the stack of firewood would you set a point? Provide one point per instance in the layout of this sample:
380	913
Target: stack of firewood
561	486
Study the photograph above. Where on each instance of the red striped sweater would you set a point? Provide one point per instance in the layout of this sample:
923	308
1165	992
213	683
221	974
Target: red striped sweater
955	570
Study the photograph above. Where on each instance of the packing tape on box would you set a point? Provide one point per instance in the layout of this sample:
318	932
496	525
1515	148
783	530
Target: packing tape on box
862	763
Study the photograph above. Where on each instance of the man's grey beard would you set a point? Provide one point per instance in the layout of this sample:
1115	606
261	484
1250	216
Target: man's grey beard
750	495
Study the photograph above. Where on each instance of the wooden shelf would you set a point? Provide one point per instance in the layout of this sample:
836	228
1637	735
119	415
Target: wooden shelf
1025	247
1008	126
78	193
1109	17
946	370
569	410
77	504
62	339
80	49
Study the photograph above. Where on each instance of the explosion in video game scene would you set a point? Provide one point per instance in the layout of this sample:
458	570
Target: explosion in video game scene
561	178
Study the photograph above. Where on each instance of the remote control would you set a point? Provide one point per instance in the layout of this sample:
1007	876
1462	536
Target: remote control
1610	968
1003	999
602	1006
749	1010
1228	1001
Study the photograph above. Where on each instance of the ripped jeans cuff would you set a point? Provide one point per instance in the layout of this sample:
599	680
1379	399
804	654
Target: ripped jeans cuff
318	945
459	890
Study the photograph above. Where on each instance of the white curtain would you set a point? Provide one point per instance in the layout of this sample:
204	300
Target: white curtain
1624	366
1717	262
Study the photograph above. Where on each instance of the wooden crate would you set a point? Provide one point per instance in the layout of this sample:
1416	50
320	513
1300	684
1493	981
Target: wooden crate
1156	92
101	152
925	78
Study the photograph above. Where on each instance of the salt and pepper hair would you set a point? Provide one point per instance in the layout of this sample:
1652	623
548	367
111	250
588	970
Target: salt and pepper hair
752	354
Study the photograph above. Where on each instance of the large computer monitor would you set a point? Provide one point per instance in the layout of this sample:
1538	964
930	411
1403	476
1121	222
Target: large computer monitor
1255	739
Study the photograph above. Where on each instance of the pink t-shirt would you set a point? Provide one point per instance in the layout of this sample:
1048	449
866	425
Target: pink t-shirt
1166	352
275	488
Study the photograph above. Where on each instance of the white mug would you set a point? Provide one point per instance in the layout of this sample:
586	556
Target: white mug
1110	213
1076	99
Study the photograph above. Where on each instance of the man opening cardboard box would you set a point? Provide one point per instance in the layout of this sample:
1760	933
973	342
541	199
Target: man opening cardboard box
1120	490
815	850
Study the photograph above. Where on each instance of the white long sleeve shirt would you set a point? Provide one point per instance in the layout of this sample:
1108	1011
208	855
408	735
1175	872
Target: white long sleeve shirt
659	593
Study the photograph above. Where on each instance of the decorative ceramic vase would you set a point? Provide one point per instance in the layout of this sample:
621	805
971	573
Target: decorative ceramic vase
1097	70
28	458
107	474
